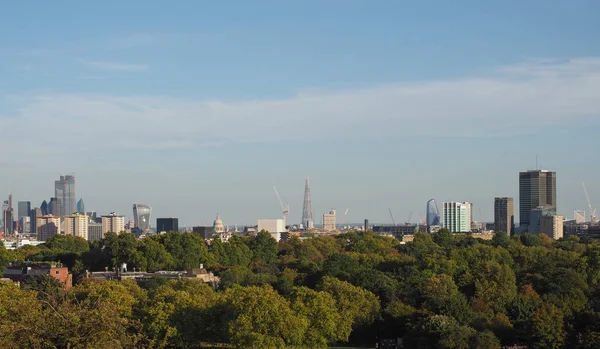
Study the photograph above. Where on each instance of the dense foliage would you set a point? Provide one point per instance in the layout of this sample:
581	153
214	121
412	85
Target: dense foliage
440	291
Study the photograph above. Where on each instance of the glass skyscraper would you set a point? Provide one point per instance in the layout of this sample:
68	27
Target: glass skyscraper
141	216
64	191
537	188
433	214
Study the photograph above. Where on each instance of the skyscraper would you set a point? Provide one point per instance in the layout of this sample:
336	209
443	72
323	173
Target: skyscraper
64	191
45	209
504	215
47	227
8	216
457	216
167	224
433	214
536	188
23	208
307	214
80	206
141	216
33	215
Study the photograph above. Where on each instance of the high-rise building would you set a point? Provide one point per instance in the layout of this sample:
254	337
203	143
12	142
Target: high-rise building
552	226
33	214
76	225
535	216
95	231
8	216
45	208
504	215
64	191
47	227
433	214
54	207
457	216
167	224
80	206
23	208
329	221
307	214
113	223
25	225
536	188
141	217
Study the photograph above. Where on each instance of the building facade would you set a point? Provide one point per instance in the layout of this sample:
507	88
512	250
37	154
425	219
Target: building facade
536	188
23	208
433	214
64	191
95	231
167	224
80	206
329	221
535	216
552	226
47	227
76	225
113	223
504	215
457	216
141	217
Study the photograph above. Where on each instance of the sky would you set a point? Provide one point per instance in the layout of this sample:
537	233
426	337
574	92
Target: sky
201	107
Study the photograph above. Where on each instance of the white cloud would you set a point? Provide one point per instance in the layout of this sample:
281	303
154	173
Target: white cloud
115	66
514	99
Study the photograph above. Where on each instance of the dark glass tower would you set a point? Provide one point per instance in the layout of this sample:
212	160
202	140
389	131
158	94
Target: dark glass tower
537	188
64	190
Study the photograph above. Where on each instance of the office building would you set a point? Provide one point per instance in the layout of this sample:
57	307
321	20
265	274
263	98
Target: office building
80	206
457	216
552	226
45	208
25	225
33	214
167	224
307	213
534	218
329	221
23	208
113	223
275	227
536	188
54	207
141	217
47	227
95	231
8	216
205	232
579	217
76	225
433	214
64	191
504	215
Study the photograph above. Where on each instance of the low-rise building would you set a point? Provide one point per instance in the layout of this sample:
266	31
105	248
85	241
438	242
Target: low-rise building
19	272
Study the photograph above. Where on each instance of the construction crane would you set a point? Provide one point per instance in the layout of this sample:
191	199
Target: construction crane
344	218
593	217
285	208
409	217
393	221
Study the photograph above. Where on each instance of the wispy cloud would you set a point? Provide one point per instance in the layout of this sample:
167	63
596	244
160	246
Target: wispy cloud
115	66
507	101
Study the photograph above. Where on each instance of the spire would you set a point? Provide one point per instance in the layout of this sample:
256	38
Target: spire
307	216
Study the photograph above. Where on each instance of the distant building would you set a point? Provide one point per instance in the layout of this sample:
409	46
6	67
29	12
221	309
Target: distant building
64	191
579	217
33	214
167	224
45	208
8	217
23	208
76	225
329	221
536	188
142	215
80	206
54	207
275	227
95	232
113	223
47	227
504	215
205	232
433	214
25	225
218	226
457	216
534	218
552	226
20	272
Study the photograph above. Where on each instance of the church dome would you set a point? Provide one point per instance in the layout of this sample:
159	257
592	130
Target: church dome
218	226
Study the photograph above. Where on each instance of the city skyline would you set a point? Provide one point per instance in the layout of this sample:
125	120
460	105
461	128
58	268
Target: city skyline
201	108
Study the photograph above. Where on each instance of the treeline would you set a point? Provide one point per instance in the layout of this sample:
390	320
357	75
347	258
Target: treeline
440	291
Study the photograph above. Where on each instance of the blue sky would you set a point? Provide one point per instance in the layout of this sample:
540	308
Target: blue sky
198	107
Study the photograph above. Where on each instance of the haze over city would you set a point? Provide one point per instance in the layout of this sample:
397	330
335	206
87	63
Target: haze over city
199	108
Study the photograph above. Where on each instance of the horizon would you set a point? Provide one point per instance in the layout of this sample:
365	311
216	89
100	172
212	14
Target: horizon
199	109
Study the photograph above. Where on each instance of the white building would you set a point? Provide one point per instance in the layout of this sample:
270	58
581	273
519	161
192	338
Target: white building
329	221
76	225
274	226
552	226
457	216
218	226
113	223
47	227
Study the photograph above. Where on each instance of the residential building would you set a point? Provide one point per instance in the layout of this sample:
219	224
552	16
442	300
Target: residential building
113	223
167	224
504	215
19	272
536	188
47	227
76	225
329	221
64	191
141	217
95	232
552	226
457	216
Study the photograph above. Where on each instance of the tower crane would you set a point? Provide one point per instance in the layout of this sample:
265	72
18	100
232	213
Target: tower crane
393	221
593	217
285	208
344	218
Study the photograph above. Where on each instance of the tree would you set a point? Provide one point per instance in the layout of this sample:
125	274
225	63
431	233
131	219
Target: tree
68	244
188	249
548	328
319	310
21	318
355	305
155	255
264	248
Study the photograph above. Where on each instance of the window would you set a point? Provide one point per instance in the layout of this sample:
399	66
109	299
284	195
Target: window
57	272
